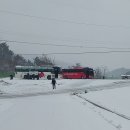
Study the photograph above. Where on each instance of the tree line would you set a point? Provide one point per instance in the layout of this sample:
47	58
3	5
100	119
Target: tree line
8	59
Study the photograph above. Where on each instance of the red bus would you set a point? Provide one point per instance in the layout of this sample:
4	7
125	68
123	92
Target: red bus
78	73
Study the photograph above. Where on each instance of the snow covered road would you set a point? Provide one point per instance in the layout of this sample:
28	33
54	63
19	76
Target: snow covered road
45	109
52	112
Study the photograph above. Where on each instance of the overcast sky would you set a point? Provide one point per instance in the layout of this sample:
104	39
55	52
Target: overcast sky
96	25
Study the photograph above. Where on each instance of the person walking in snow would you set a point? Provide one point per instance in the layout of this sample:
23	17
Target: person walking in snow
11	77
53	83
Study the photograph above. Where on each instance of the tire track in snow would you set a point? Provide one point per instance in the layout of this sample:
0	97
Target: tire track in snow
104	108
118	126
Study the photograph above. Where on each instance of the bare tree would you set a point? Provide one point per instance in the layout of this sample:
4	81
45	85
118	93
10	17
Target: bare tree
98	73
44	60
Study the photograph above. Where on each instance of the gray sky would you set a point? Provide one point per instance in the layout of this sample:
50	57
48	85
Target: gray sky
88	23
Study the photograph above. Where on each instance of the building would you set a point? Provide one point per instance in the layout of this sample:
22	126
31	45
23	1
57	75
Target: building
126	76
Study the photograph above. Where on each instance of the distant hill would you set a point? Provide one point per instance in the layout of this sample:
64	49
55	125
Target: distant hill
128	73
116	74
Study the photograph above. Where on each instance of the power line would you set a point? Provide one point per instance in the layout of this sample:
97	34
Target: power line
66	40
63	45
81	53
62	20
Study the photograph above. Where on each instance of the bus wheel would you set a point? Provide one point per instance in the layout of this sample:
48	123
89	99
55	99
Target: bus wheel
25	77
49	77
37	77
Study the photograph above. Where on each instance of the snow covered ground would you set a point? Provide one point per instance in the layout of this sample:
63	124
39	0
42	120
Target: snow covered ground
33	105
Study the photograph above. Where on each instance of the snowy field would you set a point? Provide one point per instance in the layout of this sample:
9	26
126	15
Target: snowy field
33	105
